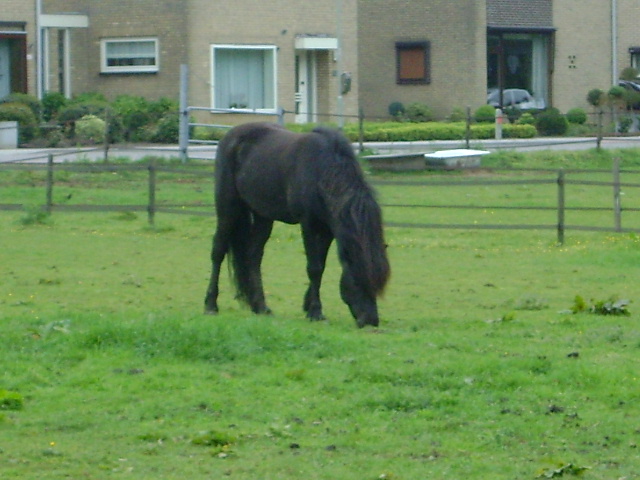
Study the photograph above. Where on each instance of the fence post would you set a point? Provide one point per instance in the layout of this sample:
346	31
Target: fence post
617	205
361	129
467	134
498	122
183	131
151	208
49	204
561	206
106	135
599	128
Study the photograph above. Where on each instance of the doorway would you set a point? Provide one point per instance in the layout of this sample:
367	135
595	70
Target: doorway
5	68
306	96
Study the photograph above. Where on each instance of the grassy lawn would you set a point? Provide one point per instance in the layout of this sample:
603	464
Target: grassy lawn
479	369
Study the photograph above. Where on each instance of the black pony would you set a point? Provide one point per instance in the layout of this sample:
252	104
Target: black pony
266	173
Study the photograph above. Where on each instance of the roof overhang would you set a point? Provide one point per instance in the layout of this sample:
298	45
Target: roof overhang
66	20
316	42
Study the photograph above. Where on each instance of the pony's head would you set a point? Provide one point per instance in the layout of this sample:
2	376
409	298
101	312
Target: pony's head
356	220
365	267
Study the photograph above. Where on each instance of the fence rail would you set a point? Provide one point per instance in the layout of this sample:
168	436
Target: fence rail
558	179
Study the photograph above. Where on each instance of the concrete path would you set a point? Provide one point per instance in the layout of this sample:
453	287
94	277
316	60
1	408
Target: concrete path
137	152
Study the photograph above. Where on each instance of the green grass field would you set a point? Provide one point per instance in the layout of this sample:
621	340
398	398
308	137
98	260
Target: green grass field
479	369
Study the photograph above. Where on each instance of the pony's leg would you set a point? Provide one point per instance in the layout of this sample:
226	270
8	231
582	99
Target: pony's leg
260	232
317	240
218	251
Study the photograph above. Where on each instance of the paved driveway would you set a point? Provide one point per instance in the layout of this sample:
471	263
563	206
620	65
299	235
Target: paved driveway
39	155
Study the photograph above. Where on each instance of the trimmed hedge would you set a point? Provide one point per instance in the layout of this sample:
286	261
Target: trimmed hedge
413	132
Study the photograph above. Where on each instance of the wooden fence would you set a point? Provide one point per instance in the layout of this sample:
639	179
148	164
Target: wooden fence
558	180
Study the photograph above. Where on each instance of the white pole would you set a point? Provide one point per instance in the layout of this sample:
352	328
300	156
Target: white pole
339	66
614	42
38	50
184	113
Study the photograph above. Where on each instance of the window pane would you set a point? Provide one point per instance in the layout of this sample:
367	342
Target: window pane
243	78
138	54
412	60
412	64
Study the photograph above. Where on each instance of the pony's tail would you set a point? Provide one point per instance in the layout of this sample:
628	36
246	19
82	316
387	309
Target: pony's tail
234	218
239	255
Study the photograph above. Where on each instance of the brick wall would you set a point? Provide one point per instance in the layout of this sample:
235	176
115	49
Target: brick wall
274	23
582	54
162	19
457	32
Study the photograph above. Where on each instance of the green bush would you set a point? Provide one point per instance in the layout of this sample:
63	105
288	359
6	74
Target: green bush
458	115
168	130
163	106
75	110
526	118
418	112
577	116
552	123
27	121
523	130
396	109
134	113
596	97
630	74
485	114
26	99
411	132
90	129
52	103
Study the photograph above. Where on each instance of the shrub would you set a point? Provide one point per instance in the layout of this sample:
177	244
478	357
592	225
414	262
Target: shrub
552	122
526	118
630	74
29	100
577	116
458	115
617	94
74	111
396	109
168	130
484	114
519	130
418	112
163	106
385	132
90	128
52	103
134	112
595	97
27	122
513	114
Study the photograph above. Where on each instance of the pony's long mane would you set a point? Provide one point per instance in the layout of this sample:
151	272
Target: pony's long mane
356	213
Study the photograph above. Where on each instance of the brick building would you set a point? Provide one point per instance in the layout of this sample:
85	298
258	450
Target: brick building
291	54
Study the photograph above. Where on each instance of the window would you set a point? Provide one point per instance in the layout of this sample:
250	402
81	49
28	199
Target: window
518	62
129	55
243	77
412	63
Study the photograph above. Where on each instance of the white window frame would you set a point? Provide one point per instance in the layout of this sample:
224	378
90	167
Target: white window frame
274	68
105	68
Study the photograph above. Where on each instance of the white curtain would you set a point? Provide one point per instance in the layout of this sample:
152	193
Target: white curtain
241	78
540	71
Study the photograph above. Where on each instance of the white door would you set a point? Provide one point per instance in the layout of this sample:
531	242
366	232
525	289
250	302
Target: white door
306	97
5	69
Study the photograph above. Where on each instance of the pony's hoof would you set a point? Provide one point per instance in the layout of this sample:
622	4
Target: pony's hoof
316	318
210	311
